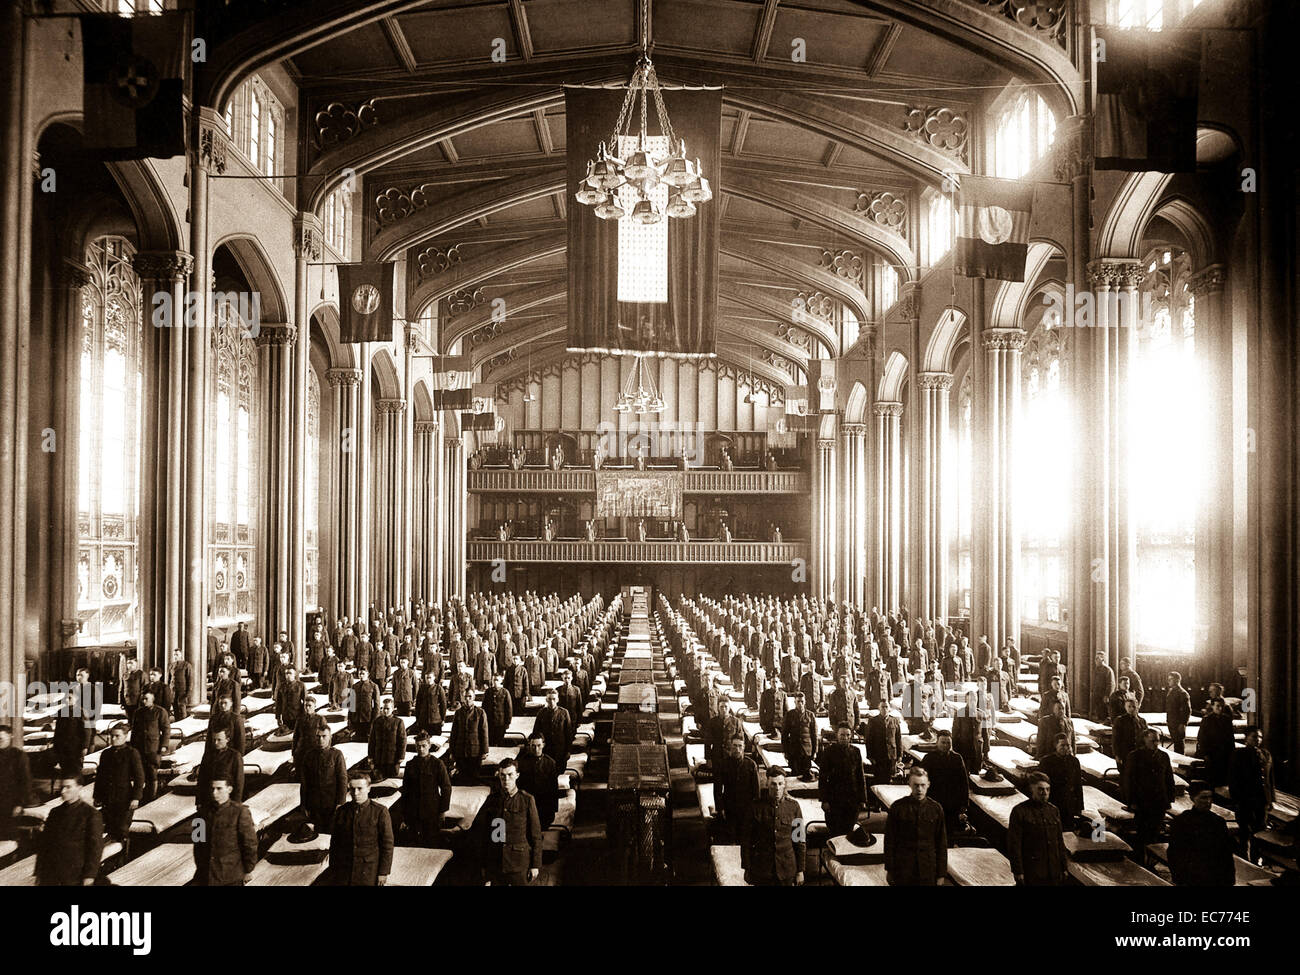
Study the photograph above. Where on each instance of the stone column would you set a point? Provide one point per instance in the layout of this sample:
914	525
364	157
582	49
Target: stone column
276	475
346	384
824	521
160	543
424	542
1001	399
306	248
888	552
1215	567
392	414
932	527
854	494
454	501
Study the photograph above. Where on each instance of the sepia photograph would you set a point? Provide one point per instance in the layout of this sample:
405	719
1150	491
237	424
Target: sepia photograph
651	444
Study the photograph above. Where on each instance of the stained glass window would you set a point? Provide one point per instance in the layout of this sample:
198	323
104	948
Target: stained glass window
1043	448
108	434
1024	131
938	226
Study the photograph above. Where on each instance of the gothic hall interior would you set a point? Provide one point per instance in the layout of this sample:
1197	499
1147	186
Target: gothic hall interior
644	425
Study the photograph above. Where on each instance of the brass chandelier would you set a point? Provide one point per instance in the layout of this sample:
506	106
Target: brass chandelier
645	167
640	394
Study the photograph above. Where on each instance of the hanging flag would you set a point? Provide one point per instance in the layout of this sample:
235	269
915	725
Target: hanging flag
779	432
452	382
478	421
133	75
1147	87
484	398
366	302
994	232
796	401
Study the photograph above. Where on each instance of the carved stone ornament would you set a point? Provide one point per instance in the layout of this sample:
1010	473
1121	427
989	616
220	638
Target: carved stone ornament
934	380
459	302
941	128
433	261
885	208
909	302
887	409
1208	281
212	149
390	405
1045	17
307	237
814	303
1009	339
272	335
343	377
855	429
453	443
162	265
336	123
426	426
74	274
395	204
1116	274
845	264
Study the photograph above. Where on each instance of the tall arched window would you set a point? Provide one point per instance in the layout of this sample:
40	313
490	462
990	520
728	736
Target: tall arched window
1043	497
312	488
964	484
1166	461
232	433
108	459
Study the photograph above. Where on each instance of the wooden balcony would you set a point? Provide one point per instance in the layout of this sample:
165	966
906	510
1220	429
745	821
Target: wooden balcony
537	550
578	480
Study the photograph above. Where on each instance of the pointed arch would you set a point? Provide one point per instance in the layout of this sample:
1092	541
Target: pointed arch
258	270
938	356
855	410
890	389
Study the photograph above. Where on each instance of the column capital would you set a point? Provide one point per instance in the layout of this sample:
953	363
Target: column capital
825	444
1208	280
934	380
426	426
909	299
1070	158
887	409
162	265
213	141
453	443
855	429
1003	338
307	236
390	405
1116	272
281	333
343	377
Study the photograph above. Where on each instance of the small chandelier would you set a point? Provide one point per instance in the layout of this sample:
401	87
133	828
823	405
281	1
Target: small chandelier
644	169
640	395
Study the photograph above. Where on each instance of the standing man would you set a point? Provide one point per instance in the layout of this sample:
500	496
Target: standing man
469	741
324	782
220	762
73	735
160	689
554	724
499	710
799	736
404	687
305	733
509	832
361	844
1065	777
71	844
1127	733
1050	726
151	731
1216	742
426	792
1135	684
1200	848
916	844
226	718
130	687
1251	786
258	663
949	783
842	787
430	705
1147	782
539	778
387	749
778	846
181	676
1178	710
736	796
119	784
228	857
1035	845
239	646
15	782
364	706
884	745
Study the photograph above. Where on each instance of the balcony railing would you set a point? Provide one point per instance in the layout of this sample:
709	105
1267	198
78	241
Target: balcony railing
537	550
579	481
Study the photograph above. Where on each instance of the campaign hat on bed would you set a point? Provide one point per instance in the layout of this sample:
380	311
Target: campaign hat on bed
992	775
861	837
304	833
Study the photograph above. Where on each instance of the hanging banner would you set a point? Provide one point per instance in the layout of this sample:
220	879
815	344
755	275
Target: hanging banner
639	494
366	302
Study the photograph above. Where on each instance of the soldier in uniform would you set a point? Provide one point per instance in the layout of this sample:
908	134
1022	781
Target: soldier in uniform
778	846
73	736
884	745
1251	786
324	782
469	741
364	703
130	687
226	718
361	843
228	857
1216	742
387	749
71	844
404	687
1127	733
119	784
1066	779
426	792
160	689
1147	784
509	833
1100	689
554	724
799	736
181	676
949	783
842	787
290	699
842	705
499	709
1050	725
771	707
151	736
736	794
1178	711
305	733
916	842
1035	845
430	705
1200	847
220	762
15	782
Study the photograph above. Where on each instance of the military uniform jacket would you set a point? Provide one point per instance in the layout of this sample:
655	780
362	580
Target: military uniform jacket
1067	784
70	845
1127	735
181	676
1201	850
842	781
431	706
258	658
799	733
387	740
1252	775
522	849
571	701
916	843
403	686
162	694
131	687
324	783
843	710
1035	846
119	779
1103	686
736	791
1148	780
306	734
949	784
365	704
556	727
1178	706
225	764
884	740
15	779
232	844
469	732
72	736
426	790
518	683
1049	726
361	844
232	723
813	691
774	855
498	707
